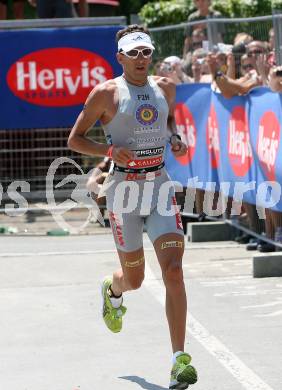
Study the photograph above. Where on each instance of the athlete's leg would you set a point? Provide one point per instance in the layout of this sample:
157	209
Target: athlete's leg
169	249
131	274
166	233
127	233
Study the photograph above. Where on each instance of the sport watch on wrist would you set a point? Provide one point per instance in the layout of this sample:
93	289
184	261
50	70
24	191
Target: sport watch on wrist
174	138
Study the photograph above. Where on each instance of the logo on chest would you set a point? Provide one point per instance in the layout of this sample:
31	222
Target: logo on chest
146	114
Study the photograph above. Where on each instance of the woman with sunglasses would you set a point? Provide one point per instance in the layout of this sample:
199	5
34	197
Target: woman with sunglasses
134	109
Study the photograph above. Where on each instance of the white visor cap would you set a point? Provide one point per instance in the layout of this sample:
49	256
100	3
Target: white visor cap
133	40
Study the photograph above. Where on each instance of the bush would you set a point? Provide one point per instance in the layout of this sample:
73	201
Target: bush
165	12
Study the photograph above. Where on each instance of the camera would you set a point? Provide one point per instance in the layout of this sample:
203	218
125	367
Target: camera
239	49
166	68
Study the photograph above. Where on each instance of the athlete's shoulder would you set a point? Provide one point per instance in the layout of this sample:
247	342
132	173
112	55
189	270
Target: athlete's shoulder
105	88
104	92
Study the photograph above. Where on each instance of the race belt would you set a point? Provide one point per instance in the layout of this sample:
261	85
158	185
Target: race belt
138	170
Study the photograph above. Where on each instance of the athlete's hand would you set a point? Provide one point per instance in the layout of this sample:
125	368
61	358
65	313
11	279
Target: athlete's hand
121	155
178	149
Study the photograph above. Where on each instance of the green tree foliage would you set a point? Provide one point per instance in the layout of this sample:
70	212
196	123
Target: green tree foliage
165	12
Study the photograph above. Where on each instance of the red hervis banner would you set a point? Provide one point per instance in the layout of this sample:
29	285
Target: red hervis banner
57	77
47	74
234	145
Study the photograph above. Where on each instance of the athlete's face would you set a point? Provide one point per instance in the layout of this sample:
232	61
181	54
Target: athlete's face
136	62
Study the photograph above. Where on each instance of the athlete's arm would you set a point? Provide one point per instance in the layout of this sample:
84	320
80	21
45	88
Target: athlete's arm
100	105
94	109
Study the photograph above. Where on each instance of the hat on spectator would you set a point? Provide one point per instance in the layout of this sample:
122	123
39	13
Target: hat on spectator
173	60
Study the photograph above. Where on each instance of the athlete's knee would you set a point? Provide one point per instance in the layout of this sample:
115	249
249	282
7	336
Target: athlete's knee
173	273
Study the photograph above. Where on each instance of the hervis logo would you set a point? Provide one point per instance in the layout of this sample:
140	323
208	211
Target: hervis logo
212	137
239	144
186	128
268	143
57	77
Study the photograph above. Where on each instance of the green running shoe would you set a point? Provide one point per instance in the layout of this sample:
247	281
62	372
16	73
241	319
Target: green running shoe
182	373
111	315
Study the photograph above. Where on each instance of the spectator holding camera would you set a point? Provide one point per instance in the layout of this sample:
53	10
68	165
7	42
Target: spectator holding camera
200	69
172	67
241	40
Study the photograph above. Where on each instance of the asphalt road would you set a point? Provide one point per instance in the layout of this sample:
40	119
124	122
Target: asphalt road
52	336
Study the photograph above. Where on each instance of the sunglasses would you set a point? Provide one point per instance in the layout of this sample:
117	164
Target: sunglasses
254	52
196	45
134	53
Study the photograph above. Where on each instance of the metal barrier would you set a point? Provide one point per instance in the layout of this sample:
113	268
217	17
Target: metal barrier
169	40
27	155
62	22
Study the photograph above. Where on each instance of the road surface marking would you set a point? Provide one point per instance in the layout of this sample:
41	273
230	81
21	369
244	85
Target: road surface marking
243	374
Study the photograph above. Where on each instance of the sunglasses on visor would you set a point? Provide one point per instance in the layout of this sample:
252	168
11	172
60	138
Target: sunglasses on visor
134	53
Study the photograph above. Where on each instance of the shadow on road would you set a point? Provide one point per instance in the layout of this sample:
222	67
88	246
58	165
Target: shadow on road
143	383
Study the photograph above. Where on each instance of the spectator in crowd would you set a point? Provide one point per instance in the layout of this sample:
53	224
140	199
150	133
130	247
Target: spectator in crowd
198	36
172	67
200	69
246	65
57	8
238	50
18	9
254	49
196	41
203	11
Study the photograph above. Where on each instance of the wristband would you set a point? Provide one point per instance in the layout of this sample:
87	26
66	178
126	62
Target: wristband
174	138
110	151
218	74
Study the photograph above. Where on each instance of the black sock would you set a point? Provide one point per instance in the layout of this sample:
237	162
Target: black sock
112	295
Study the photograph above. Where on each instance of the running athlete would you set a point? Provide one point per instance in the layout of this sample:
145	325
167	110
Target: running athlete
133	110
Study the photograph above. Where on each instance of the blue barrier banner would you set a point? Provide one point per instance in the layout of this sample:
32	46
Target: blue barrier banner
233	144
46	74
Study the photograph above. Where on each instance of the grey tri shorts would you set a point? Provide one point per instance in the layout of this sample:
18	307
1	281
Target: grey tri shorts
128	232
